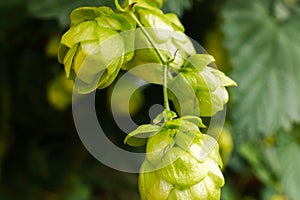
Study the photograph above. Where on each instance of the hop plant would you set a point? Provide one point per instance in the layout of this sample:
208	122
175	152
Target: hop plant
181	162
93	44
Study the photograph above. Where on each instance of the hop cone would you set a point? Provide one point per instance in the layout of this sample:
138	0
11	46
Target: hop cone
206	83
181	163
93	45
166	32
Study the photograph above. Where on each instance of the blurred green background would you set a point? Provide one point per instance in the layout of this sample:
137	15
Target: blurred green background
256	42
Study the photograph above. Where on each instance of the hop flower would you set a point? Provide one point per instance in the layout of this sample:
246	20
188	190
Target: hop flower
205	83
181	163
166	32
94	47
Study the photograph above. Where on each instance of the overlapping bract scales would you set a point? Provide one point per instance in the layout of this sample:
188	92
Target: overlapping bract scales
92	49
181	163
203	87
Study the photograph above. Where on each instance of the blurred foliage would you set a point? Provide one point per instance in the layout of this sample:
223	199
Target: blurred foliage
226	144
264	50
60	9
177	7
41	156
59	92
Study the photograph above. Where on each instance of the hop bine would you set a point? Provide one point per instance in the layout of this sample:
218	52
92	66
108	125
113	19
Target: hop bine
181	162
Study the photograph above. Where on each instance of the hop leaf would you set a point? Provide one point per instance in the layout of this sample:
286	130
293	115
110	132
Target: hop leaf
92	49
266	68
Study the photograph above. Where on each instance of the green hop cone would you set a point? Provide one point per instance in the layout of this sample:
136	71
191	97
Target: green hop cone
166	33
181	163
203	82
94	46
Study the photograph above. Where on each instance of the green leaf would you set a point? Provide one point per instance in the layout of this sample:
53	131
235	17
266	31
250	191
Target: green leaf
139	136
165	114
265	56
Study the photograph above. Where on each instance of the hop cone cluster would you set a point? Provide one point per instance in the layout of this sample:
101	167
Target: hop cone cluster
181	163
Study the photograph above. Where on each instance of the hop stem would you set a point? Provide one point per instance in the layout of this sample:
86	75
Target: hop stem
165	88
162	60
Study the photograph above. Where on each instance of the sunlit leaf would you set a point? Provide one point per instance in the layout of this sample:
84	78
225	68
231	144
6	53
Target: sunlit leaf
139	136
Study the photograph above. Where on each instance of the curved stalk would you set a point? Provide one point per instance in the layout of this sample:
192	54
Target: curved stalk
140	25
164	62
165	89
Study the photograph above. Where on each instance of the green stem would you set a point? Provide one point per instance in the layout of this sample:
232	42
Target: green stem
140	25
159	54
162	60
165	88
118	6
